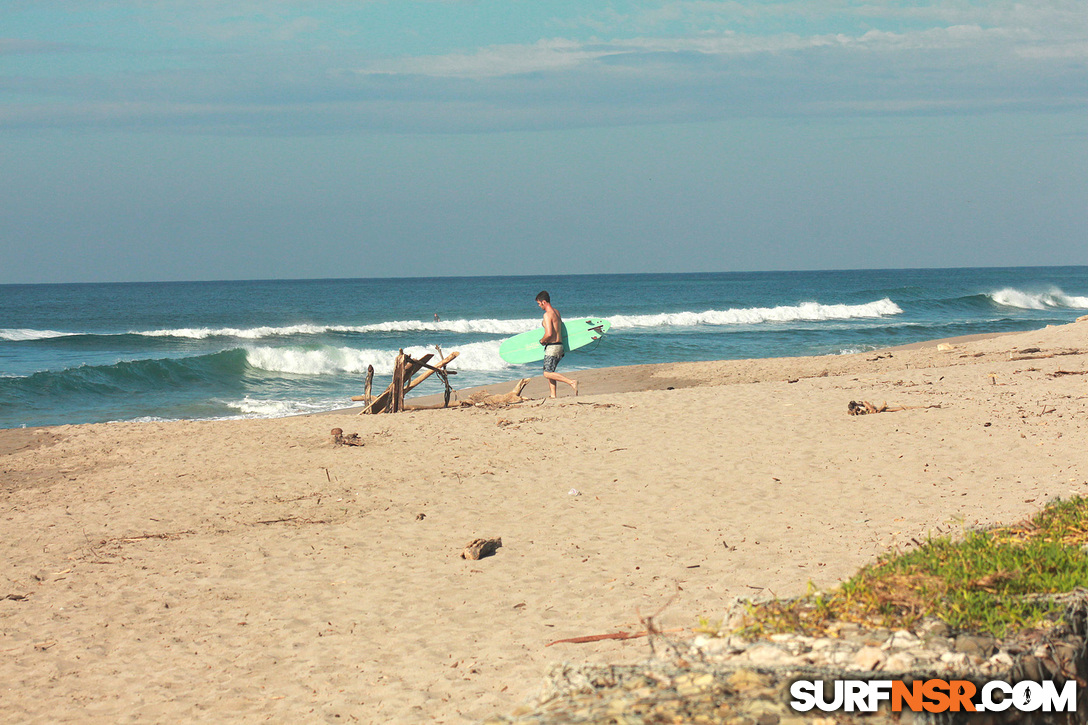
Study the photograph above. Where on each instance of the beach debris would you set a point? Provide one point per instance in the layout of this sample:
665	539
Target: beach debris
484	399
945	347
392	400
611	635
867	408
291	520
574	492
1034	353
345	439
503	422
479	548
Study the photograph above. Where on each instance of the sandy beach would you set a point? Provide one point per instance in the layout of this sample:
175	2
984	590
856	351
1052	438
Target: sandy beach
253	571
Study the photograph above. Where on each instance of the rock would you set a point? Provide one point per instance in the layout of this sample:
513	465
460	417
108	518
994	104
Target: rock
1000	662
795	644
975	644
870	658
766	654
934	627
902	639
745	680
938	644
843	629
841	657
1031	669
955	660
899	662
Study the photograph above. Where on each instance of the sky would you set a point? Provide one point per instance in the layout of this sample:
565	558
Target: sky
209	140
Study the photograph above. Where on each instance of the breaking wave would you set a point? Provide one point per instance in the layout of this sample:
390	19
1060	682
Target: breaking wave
23	334
477	356
804	312
486	326
1053	298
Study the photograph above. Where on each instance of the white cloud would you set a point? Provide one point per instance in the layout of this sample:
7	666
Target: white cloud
558	54
1077	49
941	59
498	60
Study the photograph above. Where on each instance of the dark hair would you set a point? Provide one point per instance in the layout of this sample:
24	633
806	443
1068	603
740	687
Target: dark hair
543	297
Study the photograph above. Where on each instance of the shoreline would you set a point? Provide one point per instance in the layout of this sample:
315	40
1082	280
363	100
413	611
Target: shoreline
255	570
636	378
607	380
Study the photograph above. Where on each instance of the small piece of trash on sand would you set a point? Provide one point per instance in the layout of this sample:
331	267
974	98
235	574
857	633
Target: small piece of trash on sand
574	492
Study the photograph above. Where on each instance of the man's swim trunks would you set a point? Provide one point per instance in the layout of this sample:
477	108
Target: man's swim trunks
552	355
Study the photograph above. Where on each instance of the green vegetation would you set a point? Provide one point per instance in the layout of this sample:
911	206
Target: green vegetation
987	581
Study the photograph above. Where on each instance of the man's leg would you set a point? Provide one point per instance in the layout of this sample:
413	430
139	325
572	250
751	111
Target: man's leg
550	364
552	378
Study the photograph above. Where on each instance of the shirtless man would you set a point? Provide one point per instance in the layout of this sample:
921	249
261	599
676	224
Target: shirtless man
553	344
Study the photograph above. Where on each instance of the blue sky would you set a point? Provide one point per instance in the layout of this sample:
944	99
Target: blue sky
164	140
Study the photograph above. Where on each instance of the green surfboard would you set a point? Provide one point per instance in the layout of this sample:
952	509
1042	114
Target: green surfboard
526	347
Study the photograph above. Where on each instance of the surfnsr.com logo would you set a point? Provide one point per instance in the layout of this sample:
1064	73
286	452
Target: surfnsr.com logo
933	696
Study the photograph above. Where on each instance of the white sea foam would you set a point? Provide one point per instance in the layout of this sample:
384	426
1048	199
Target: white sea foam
250	333
490	326
256	408
22	335
476	356
1052	298
804	312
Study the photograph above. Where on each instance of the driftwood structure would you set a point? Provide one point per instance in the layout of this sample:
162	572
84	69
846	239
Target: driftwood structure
405	367
392	400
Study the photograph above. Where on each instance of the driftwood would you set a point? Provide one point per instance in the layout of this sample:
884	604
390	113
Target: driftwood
612	635
867	408
479	548
486	400
1026	354
400	378
341	439
383	401
431	370
392	400
366	397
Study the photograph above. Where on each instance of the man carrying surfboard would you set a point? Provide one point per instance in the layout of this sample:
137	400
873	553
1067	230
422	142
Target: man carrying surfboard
553	343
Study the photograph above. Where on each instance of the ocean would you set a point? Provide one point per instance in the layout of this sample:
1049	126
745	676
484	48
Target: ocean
87	353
